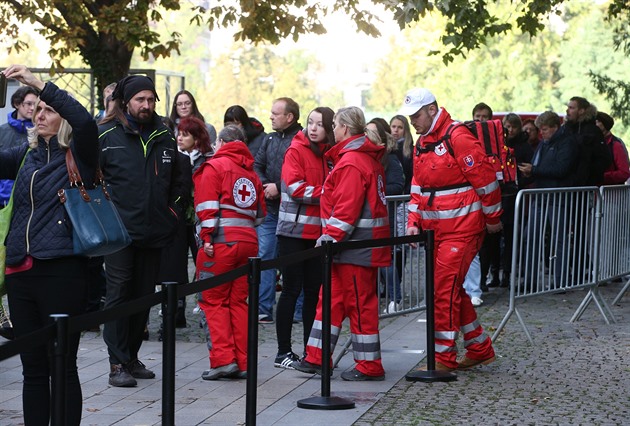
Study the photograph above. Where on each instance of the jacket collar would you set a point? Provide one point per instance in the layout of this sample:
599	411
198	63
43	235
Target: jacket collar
20	126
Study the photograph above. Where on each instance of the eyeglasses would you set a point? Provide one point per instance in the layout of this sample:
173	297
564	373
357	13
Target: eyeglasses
28	104
334	126
181	104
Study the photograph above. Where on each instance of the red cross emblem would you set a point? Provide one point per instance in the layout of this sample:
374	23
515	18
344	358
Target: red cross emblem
244	192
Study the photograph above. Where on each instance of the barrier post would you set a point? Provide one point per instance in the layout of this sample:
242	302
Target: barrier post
431	374
60	361
169	310
253	279
326	402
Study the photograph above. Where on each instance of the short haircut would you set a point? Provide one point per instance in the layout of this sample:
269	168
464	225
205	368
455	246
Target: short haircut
290	107
480	106
582	103
231	133
548	119
20	94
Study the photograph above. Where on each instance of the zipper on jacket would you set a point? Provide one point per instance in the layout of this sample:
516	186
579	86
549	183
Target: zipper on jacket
297	216
151	137
30	218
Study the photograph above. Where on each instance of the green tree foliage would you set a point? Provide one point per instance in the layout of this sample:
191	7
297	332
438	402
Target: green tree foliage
510	72
107	32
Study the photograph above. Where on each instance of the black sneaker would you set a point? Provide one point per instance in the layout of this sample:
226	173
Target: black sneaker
120	377
306	367
138	370
355	375
285	360
265	319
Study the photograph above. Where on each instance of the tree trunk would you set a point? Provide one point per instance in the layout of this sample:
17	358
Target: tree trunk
109	59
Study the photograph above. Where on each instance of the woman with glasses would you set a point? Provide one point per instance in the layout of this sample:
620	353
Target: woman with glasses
184	105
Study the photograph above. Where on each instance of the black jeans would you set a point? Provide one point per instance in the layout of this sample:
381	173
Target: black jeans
131	273
307	276
55	286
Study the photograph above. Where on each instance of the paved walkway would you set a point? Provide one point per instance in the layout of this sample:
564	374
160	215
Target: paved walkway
574	374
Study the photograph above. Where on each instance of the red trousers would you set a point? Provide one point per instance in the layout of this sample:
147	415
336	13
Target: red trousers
353	296
453	308
225	306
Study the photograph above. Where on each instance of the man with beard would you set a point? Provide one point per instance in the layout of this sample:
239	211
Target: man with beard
594	157
140	163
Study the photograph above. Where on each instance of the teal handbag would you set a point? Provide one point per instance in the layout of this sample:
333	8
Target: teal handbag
97	229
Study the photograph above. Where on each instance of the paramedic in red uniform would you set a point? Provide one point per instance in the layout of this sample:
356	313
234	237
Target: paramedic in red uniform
229	202
353	207
458	197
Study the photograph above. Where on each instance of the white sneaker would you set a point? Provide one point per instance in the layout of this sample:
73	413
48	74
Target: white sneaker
392	307
476	301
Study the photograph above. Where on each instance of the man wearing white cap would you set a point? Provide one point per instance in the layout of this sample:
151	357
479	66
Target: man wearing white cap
454	192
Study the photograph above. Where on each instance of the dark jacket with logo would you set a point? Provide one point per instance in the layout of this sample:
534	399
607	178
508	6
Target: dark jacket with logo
139	165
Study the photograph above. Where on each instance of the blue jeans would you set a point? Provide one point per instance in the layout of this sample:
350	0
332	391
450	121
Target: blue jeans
472	283
267	249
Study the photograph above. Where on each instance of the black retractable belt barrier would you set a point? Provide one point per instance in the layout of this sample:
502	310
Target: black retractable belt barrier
253	278
60	366
169	310
431	374
326	402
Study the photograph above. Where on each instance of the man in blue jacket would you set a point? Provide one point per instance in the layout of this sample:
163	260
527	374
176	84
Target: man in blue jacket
140	163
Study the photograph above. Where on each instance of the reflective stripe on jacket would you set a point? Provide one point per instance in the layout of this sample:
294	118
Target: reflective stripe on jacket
353	205
229	197
303	174
453	194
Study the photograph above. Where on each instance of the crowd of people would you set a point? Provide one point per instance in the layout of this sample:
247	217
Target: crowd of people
181	187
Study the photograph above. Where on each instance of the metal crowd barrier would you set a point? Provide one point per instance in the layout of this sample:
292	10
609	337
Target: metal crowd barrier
567	239
614	252
403	282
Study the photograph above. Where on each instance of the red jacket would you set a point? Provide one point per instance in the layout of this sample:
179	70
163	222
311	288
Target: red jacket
453	194
353	204
229	198
303	174
619	171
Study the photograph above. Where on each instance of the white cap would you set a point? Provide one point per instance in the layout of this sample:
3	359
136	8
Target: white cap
415	99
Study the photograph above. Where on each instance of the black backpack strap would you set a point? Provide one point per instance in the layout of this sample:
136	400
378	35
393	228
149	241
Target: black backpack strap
444	139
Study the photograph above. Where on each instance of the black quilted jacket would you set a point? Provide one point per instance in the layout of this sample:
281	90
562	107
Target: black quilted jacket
40	226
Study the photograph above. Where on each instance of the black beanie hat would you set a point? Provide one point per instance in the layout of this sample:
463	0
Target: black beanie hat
606	120
132	84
